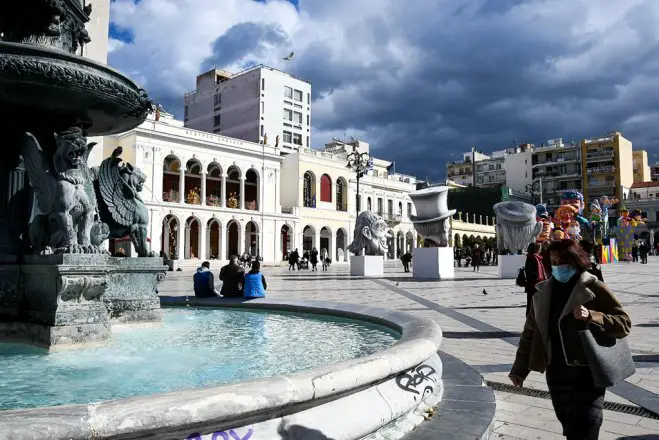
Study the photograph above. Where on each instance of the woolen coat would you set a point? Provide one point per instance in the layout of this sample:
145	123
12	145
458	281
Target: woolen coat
608	316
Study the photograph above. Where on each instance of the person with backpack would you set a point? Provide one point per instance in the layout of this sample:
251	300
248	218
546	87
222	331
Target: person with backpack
534	271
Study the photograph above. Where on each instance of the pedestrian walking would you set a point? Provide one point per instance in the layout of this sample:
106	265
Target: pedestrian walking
294	260
313	259
534	271
406	259
477	257
551	340
324	259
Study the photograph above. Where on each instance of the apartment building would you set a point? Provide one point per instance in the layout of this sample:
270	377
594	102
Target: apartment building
654	172
519	178
642	172
491	172
260	105
555	168
607	166
462	171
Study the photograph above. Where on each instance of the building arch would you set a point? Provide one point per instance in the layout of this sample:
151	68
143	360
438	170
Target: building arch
409	245
326	188
252	190
169	236
400	208
325	240
400	243
192	238
457	241
341	245
233	238
369	205
341	194
171	179
234	175
252	239
192	185
214	184
286	234
213	239
308	237
309	190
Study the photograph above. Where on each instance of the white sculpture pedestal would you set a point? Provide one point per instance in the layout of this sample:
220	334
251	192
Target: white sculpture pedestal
367	266
509	265
433	263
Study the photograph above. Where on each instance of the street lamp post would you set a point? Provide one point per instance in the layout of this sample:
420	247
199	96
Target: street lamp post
359	163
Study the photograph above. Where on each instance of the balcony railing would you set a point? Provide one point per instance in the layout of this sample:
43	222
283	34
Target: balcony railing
213	200
286	210
391	219
607	169
251	205
599	153
602	184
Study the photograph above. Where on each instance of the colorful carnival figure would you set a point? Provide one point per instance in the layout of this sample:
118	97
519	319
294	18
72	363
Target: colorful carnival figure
606	203
574	231
625	234
575	199
564	216
636	218
542	215
596	221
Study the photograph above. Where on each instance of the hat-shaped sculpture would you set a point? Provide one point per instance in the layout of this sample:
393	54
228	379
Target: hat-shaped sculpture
432	215
517	226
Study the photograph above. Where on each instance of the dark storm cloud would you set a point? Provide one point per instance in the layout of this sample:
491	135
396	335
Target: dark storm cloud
241	39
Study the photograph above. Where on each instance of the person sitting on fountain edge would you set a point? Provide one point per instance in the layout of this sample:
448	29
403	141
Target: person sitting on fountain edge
255	284
204	282
232	276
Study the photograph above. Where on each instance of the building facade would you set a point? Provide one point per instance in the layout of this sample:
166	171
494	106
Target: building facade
260	105
318	185
607	167
642	172
211	196
556	168
517	166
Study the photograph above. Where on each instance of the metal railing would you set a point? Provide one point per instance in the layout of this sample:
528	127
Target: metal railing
606	169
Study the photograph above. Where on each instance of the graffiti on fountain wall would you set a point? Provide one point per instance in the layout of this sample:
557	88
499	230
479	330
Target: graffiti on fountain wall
419	381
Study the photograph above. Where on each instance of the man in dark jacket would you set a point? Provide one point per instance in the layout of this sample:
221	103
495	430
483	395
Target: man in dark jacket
294	260
232	277
477	257
204	282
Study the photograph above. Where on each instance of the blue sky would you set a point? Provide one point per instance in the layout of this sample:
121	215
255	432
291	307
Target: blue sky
420	80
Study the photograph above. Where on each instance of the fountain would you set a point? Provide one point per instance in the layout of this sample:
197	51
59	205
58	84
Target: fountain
213	368
59	285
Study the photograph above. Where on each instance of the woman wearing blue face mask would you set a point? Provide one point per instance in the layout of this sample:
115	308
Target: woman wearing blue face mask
550	341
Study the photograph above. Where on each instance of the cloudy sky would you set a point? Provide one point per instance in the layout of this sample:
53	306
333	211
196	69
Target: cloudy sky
420	80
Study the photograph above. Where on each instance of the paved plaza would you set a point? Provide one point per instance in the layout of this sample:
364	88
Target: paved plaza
483	331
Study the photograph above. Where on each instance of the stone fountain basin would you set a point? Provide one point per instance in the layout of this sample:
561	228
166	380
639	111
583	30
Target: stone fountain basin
41	83
383	392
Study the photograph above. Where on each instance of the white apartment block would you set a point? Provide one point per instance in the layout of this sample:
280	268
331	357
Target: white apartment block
260	105
210	196
556	169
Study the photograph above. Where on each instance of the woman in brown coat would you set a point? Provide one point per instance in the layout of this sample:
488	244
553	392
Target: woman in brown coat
571	299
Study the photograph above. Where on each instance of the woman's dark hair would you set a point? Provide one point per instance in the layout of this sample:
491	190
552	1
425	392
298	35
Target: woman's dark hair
256	266
533	248
587	245
570	253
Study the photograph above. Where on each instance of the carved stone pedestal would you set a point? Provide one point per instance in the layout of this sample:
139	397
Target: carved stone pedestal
58	300
367	266
433	263
131	293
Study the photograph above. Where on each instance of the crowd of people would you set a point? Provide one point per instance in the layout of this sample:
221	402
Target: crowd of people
308	259
476	256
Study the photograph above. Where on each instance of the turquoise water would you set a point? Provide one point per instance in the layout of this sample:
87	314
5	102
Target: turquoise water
193	348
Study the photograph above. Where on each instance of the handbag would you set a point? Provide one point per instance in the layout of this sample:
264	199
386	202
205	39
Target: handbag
610	360
521	277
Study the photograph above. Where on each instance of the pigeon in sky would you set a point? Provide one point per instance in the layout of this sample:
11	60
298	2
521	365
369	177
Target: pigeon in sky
484	292
289	57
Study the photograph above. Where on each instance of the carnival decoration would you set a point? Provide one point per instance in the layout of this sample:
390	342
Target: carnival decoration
565	217
606	203
625	234
575	199
542	215
609	253
557	234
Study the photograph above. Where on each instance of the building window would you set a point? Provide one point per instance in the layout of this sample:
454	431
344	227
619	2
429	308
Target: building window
308	120
297	139
340	196
309	190
400	208
380	207
262	130
185	112
287	137
262	83
288	114
297	117
308	98
325	188
368	204
307	141
297	95
409	210
262	107
288	93
359	203
216	120
390	207
375	173
218	99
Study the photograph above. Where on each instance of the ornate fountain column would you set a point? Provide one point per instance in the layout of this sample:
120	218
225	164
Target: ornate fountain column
51	100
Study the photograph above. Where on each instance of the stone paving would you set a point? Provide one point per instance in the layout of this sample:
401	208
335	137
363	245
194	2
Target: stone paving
483	330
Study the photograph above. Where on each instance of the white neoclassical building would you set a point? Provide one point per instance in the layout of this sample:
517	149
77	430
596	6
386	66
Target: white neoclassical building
210	196
319	186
